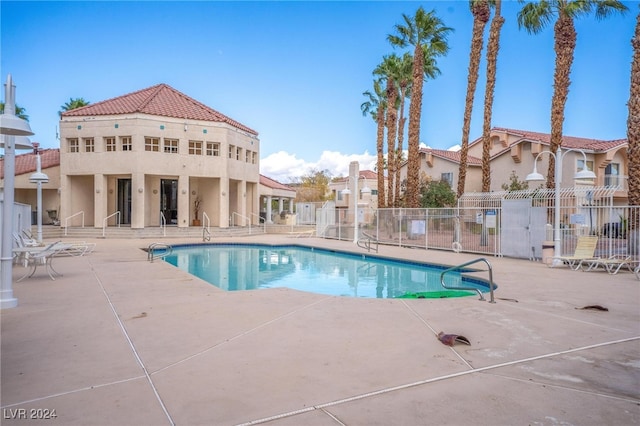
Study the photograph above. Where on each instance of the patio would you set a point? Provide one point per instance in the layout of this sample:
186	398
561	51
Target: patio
118	340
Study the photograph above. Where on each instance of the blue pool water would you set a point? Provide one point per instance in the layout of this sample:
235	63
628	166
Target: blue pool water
234	267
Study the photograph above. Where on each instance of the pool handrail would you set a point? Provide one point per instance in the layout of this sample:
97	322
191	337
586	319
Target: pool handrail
66	221
366	242
471	262
150	251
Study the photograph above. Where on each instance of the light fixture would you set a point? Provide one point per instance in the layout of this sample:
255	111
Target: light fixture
583	174
11	128
140	190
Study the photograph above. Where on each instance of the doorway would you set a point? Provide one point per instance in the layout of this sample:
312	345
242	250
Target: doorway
124	201
169	200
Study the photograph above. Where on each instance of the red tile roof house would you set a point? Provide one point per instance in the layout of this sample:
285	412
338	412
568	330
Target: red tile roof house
149	155
516	150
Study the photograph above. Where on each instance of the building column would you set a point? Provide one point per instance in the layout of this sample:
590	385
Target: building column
224	202
137	200
185	207
100	206
242	194
269	209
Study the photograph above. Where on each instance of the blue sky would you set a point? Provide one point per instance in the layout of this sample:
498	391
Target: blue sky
295	71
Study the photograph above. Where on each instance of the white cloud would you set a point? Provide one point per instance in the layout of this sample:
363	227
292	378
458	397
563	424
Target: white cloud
286	168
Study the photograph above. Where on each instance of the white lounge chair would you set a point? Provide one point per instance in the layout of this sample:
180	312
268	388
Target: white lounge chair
36	256
611	264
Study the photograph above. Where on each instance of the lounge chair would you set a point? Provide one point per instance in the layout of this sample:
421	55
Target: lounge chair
611	264
43	256
585	250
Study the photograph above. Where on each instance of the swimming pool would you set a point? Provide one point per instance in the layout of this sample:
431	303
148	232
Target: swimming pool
235	267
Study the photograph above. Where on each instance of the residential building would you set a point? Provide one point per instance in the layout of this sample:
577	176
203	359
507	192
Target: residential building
144	158
516	151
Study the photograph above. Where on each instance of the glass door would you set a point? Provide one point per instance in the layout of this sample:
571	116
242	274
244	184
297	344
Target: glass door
169	200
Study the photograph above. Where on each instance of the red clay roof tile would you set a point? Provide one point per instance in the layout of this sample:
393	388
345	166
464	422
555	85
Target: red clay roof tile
26	163
162	100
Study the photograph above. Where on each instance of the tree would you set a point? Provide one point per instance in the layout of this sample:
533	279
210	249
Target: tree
492	60
534	17
314	186
515	184
405	73
72	104
481	14
376	106
437	194
633	138
20	112
428	36
388	71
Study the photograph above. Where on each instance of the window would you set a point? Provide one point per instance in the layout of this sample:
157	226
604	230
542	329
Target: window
232	150
612	175
580	165
195	147
151	144
254	157
73	145
238	153
213	149
125	142
110	144
171	146
88	145
247	156
447	177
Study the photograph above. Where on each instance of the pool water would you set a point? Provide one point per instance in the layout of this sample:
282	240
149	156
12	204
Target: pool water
235	267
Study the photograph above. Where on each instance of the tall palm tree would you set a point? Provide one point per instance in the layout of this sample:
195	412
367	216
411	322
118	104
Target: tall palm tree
492	59
376	106
633	138
534	17
481	14
72	104
20	112
388	70
405	73
428	36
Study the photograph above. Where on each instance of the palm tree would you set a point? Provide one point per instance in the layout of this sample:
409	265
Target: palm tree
492	59
376	106
534	17
633	138
72	104
481	14
389	70
20	112
405	72
428	35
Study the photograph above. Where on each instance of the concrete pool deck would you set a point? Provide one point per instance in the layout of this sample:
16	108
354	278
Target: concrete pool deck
118	340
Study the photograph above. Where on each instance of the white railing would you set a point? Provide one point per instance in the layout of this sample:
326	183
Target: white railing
233	222
104	222
264	223
163	224
66	221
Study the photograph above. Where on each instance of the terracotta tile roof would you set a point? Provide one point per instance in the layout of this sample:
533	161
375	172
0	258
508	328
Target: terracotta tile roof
162	100
274	184
595	145
453	156
26	163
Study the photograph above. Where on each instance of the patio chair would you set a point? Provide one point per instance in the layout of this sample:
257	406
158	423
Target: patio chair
611	264
43	256
585	250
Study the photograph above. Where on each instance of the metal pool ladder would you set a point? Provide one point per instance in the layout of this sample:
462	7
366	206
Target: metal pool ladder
166	250
459	267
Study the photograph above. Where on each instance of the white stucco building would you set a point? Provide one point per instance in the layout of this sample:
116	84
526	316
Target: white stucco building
144	158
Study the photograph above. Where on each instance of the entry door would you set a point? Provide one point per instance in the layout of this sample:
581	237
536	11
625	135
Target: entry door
124	201
169	200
